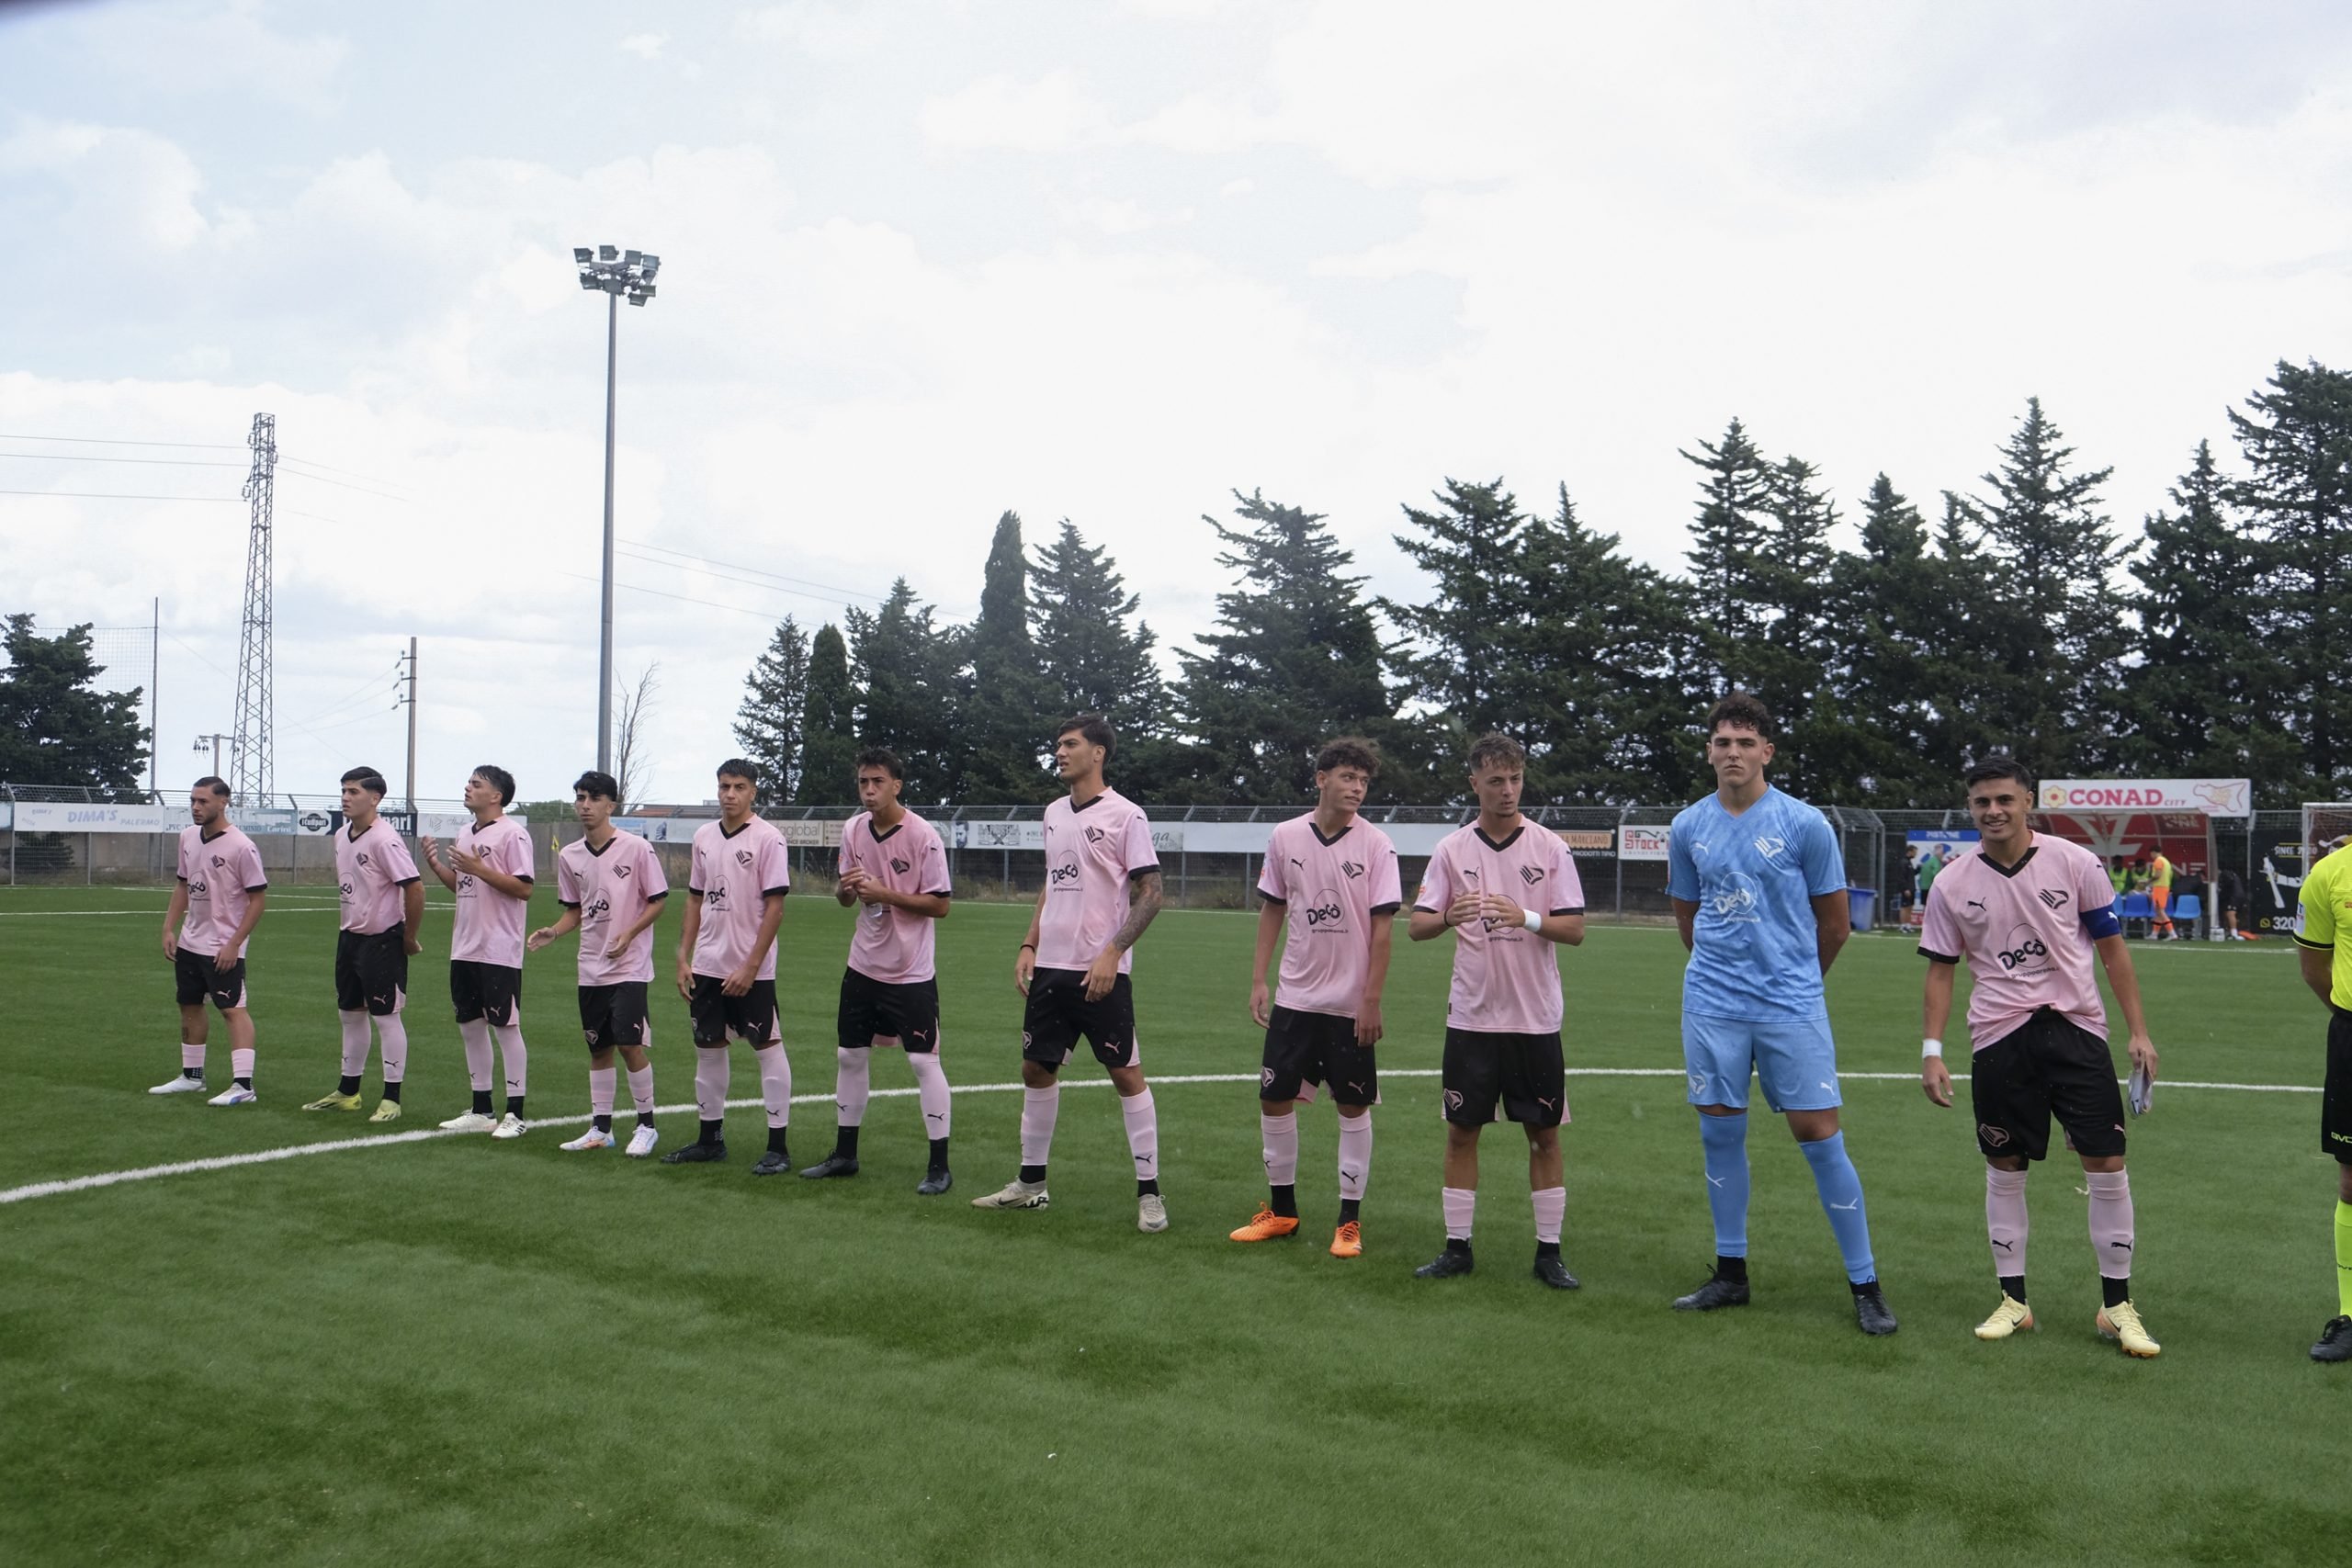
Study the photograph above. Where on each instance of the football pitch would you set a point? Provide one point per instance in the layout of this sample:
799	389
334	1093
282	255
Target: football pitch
445	1349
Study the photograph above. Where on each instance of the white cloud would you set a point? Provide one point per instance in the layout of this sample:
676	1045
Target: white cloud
1050	113
121	188
196	46
645	46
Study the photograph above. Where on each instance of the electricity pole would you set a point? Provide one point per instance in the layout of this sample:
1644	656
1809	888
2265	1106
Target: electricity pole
616	275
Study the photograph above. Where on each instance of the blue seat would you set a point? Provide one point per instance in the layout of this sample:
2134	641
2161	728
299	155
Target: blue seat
2136	907
2186	910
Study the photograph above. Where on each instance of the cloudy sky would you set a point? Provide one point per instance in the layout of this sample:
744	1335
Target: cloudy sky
923	263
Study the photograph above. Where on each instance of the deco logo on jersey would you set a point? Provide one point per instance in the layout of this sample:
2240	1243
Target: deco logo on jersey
1326	913
345	889
199	888
1062	875
2026	953
598	907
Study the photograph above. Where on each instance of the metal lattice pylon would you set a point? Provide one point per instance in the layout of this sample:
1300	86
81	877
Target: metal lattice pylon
257	705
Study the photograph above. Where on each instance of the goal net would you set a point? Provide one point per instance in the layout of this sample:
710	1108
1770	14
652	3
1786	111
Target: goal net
2327	824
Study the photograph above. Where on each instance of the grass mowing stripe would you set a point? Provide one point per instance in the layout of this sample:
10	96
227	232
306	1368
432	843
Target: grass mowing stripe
386	1140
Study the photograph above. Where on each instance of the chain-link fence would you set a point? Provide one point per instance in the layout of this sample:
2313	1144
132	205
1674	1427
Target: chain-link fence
1209	854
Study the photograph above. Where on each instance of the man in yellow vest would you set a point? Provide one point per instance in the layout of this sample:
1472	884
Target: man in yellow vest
2160	896
2324	943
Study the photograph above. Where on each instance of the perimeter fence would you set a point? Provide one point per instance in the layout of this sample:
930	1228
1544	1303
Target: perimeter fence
1210	853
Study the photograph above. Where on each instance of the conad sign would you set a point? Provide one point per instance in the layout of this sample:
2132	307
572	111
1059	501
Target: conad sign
2215	797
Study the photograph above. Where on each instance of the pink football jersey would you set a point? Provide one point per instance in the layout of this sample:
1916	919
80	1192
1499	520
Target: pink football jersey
733	874
2023	933
893	945
489	926
612	888
223	874
1093	852
1333	890
1505	979
370	870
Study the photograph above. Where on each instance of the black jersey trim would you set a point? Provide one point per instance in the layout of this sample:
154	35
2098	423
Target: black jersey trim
1502	845
1315	827
1082	804
1383	908
608	845
2009	871
744	828
1933	956
1571	910
887	832
408	881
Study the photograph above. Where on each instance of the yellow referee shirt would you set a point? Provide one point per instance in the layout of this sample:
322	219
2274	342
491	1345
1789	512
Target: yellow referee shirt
2327	920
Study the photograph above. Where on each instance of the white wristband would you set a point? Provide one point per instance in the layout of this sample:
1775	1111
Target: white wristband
1534	921
1931	1048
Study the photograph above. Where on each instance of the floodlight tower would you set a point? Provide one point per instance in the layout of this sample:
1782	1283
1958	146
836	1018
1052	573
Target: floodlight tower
256	707
617	275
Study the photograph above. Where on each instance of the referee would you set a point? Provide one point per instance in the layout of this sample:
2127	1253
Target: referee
2324	944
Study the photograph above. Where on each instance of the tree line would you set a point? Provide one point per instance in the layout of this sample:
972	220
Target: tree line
2013	614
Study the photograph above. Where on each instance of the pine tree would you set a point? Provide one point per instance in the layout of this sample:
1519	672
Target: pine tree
1452	660
2295	435
1728	555
2055	554
1891	603
1002	753
1294	660
828	735
767	724
2204	695
1091	660
56	729
902	668
1602	645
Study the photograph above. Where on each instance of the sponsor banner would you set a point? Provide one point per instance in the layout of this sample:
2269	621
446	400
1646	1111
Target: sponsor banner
400	822
803	834
2215	797
443	825
1646	841
1249	837
661	829
256	819
1587	840
86	816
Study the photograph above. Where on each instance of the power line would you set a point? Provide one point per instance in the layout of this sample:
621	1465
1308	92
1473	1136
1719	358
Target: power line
752	570
764	587
340	484
110	441
118	495
708	604
79	458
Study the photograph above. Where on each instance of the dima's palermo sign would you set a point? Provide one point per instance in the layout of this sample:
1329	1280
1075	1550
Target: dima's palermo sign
2215	797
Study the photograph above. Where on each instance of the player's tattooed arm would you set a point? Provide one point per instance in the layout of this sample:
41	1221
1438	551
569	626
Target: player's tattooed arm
1140	912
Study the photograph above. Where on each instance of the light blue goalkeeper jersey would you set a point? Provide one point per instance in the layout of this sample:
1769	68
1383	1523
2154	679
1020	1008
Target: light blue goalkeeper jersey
1753	876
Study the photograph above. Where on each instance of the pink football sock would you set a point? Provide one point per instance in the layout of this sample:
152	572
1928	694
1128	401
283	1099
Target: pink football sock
241	1065
2004	1219
776	1085
1355	1155
931	1092
1039	1107
601	1084
355	1044
1461	1208
1143	1135
640	1088
2111	1222
1551	1207
191	1057
392	1034
853	1082
515	1058
710	1082
1279	1138
475	1033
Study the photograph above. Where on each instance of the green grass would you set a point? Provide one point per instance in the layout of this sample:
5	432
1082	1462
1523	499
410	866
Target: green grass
461	1352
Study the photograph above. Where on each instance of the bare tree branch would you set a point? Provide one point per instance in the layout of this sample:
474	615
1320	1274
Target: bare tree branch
632	751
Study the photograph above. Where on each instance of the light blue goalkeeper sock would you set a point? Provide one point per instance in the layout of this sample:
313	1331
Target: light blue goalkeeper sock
1840	1187
1725	1138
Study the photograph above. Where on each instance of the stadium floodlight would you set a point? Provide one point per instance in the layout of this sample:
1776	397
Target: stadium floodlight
618	276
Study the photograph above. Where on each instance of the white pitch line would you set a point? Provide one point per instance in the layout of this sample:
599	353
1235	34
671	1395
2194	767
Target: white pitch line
386	1140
